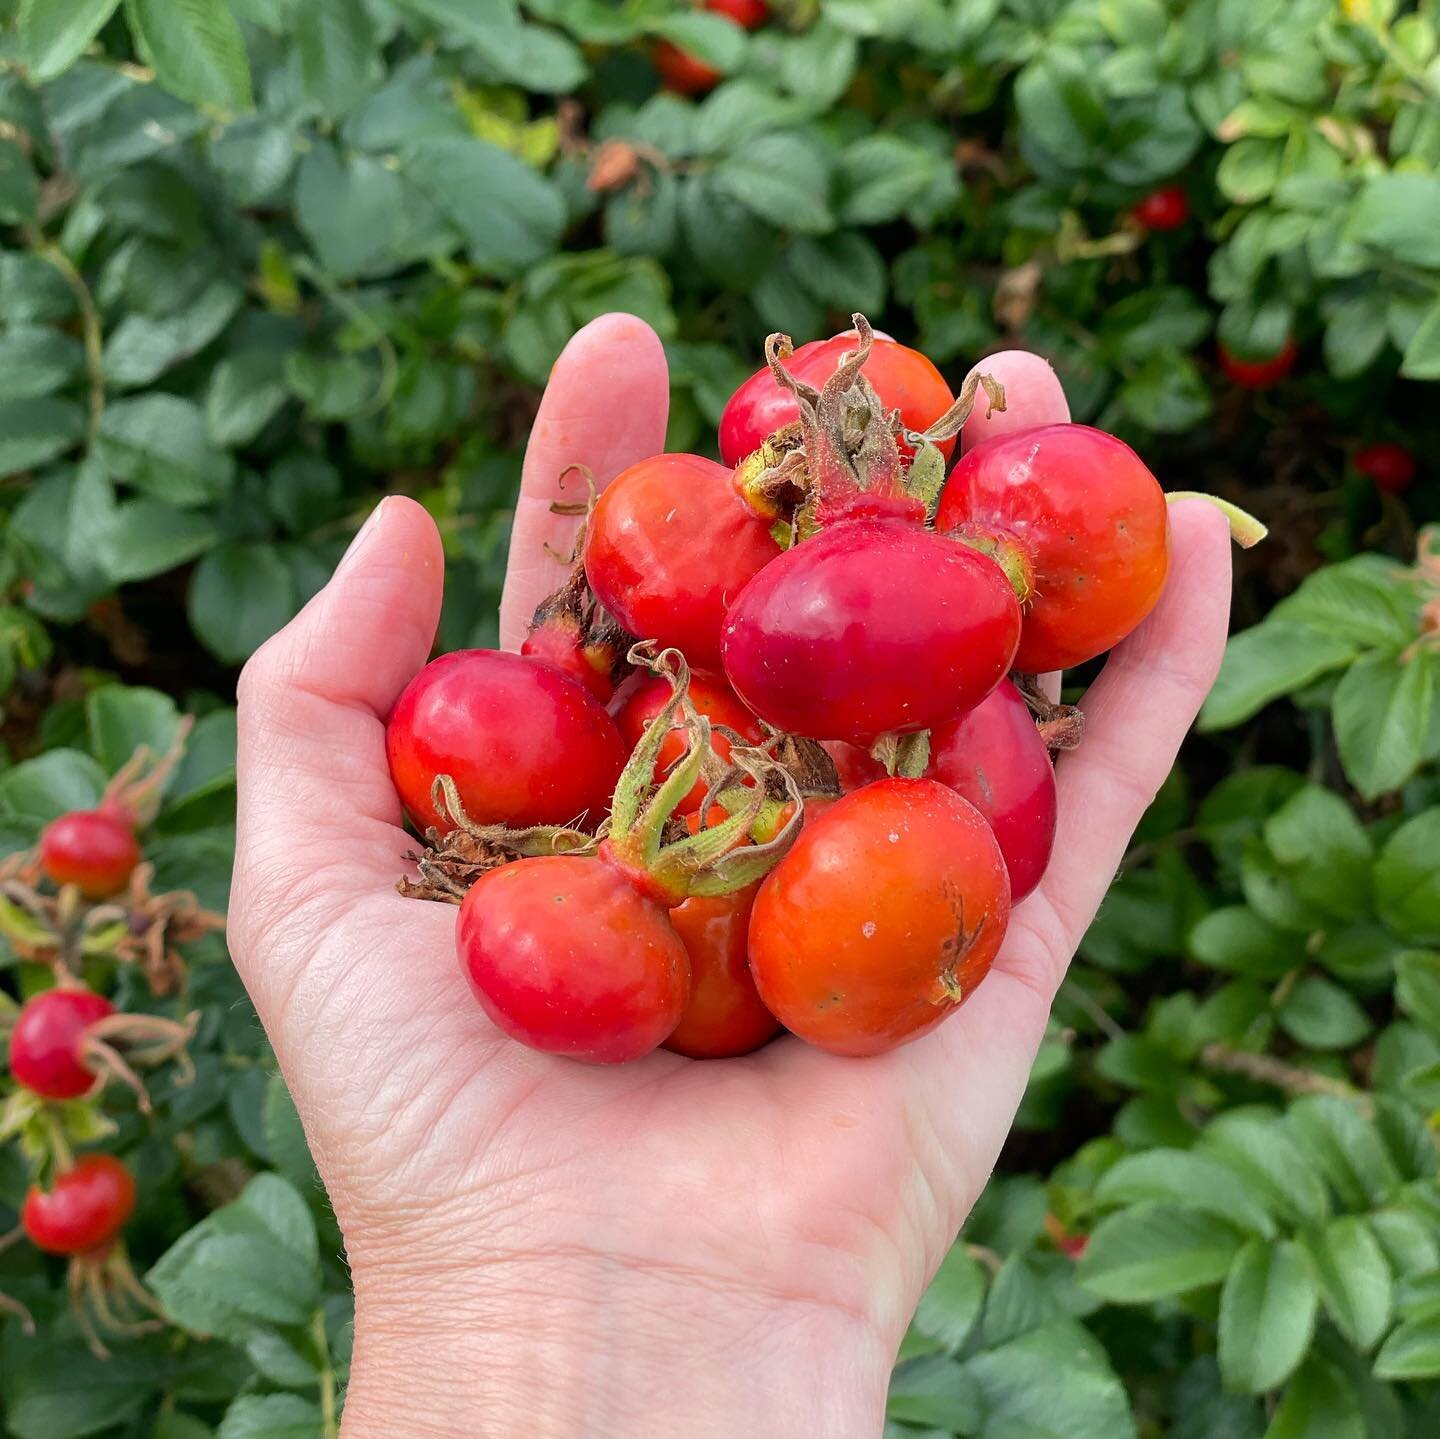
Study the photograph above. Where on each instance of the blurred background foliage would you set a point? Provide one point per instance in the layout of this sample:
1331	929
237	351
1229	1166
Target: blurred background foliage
264	260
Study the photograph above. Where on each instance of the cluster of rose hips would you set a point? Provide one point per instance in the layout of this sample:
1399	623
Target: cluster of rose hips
762	762
83	895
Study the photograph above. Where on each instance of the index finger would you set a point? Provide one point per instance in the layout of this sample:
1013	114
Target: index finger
605	408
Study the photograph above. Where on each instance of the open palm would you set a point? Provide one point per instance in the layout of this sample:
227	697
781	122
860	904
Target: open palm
535	1242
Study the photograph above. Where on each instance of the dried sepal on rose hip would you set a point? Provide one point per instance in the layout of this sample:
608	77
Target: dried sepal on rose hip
576	954
874	625
68	1042
80	1214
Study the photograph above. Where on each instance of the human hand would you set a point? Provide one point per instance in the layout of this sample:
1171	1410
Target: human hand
724	1248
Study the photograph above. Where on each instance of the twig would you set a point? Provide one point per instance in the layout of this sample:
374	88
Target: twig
1266	1069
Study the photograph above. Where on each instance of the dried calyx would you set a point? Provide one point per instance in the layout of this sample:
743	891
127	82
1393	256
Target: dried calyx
845	450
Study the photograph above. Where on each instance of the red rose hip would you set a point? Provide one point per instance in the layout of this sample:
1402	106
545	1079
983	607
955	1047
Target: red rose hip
1079	515
93	849
525	744
85	1208
46	1054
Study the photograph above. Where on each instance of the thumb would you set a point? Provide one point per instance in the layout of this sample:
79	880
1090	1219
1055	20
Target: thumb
317	817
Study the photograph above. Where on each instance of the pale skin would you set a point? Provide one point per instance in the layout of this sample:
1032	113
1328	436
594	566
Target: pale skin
542	1248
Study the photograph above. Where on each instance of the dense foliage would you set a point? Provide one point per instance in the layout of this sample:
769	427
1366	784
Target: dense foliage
266	259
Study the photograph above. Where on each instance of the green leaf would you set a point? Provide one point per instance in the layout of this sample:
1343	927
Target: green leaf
36	360
1368	600
60	1390
333	387
1052	1383
1407	879
142	347
1268	661
19	189
881	176
54	33
511	216
285	1137
1399	214
271	1416
1422	353
245	393
1417	986
33	431
1323	850
950	1306
716	40
1412	1351
1274	1167
1321	1015
35	791
240	595
1267	1315
121	718
196	48
1249	169
1156	321
1236	939
336	44
844	271
782	177
146	537
1166	393
1319	1403
159	444
1346	1147
934	1390
1353	1276
1179	1176
349	210
1156	1250
1384	711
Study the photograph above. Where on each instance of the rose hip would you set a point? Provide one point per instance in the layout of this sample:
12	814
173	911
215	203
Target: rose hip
525	744
93	849
46	1044
85	1208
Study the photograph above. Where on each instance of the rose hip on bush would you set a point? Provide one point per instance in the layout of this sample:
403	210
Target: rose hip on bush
84	1209
1167	208
524	743
685	74
1258	372
93	849
1390	467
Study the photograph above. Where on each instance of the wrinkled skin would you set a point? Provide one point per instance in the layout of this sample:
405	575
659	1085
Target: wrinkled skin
548	1248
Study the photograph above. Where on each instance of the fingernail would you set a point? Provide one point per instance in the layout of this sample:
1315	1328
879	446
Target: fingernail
361	536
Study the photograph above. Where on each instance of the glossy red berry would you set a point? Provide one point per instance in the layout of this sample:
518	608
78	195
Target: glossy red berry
525	744
682	73
712	697
566	955
904	379
93	849
1085	520
874	625
749	13
1167	208
85	1208
1259	374
1389	466
46	1053
670	544
725	1015
994	757
882	919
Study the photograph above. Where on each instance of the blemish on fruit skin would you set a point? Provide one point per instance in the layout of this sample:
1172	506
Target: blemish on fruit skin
868	929
893	837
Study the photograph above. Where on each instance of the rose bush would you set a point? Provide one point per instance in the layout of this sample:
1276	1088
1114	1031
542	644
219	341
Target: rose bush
261	261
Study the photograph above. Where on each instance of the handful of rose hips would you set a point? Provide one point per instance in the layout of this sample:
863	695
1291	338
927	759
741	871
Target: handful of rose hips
824	827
